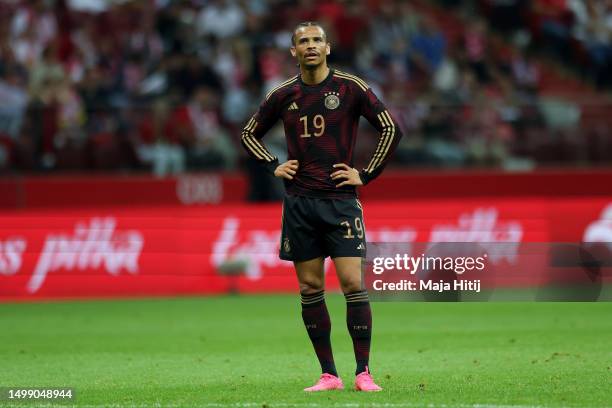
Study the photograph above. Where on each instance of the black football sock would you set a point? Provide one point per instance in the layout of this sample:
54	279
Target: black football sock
318	326
359	323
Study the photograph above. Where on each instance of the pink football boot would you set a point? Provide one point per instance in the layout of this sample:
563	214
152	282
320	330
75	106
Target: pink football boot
325	383
364	382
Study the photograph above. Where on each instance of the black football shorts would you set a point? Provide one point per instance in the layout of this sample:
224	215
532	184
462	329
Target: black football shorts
321	227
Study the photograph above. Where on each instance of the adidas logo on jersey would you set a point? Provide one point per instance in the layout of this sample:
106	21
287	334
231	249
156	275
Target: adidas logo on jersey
360	246
293	106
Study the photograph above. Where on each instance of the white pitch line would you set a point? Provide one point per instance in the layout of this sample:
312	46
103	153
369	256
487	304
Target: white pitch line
275	405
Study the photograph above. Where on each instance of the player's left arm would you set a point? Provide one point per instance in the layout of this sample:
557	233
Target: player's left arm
347	173
390	134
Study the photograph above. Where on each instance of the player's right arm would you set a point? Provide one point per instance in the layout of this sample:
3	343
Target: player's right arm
255	129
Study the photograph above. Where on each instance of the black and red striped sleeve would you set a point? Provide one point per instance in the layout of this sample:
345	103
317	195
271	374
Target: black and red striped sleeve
255	129
377	114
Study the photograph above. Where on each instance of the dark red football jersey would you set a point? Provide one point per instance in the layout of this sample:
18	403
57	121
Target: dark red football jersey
321	123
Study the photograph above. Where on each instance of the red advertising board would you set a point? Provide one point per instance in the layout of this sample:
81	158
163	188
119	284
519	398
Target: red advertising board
86	190
178	250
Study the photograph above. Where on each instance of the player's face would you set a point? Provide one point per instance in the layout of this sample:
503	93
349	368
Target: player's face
311	47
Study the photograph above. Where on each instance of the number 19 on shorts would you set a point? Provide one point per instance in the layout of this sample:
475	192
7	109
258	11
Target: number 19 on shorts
358	224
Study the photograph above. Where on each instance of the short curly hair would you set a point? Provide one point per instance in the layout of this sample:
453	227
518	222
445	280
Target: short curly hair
307	24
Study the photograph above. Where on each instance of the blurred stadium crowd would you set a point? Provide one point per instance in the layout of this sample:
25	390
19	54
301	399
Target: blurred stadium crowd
166	85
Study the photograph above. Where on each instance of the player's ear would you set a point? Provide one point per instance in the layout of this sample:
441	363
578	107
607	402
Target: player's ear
292	49
327	49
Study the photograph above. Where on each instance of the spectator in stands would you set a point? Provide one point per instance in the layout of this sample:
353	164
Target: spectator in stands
33	28
596	36
199	128
350	29
439	133
48	70
394	22
525	71
70	70
221	19
66	140
476	50
157	145
428	47
554	20
13	101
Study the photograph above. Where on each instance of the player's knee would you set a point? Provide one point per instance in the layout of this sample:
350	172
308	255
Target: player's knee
311	286
351	285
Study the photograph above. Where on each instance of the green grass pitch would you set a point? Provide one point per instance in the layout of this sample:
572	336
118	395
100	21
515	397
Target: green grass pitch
252	351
